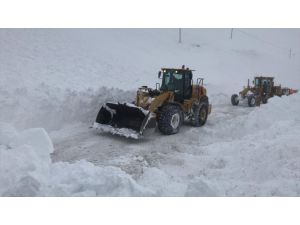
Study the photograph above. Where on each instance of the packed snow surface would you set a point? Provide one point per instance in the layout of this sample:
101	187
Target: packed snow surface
53	83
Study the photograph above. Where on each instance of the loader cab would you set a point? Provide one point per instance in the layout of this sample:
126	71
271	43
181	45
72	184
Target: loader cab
178	81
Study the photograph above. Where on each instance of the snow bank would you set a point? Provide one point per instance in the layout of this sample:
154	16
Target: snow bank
26	170
243	121
53	108
277	110
259	148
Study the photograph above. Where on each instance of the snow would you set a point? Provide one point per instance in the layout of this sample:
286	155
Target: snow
7	133
145	112
53	82
27	170
125	132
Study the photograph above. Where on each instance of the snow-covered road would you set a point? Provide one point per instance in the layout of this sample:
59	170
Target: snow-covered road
80	141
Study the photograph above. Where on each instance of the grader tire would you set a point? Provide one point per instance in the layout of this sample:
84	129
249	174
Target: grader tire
234	99
252	101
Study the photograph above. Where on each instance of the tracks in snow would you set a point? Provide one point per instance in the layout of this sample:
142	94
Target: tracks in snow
77	142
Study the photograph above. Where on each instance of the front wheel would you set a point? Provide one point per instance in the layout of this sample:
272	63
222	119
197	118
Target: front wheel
235	99
170	119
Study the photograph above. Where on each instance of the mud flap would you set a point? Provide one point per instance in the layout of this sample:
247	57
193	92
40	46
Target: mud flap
124	119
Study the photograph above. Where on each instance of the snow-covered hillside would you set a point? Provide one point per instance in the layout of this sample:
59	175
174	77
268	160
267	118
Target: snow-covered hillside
53	82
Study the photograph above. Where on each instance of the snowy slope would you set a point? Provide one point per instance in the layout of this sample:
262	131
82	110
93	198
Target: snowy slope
82	58
57	79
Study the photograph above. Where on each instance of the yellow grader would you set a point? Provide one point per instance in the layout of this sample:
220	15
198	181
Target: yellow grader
176	100
262	90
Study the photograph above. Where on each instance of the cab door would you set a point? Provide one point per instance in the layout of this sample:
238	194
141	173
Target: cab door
188	89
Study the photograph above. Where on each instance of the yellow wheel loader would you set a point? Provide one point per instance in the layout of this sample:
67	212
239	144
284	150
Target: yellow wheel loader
176	100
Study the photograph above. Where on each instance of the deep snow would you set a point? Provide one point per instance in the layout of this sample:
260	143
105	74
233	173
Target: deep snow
57	80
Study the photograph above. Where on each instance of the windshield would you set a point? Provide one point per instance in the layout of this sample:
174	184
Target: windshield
259	82
172	80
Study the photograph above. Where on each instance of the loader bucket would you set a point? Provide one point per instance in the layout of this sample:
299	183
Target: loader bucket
124	119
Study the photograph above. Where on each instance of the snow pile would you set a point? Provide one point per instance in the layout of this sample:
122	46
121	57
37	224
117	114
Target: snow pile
22	154
125	132
255	153
26	170
277	111
242	120
163	184
53	108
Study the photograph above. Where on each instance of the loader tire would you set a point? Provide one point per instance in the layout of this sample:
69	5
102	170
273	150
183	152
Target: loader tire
251	101
170	119
235	99
200	114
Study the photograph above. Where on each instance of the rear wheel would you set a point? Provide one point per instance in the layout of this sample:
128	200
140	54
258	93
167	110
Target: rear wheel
200	114
235	99
170	119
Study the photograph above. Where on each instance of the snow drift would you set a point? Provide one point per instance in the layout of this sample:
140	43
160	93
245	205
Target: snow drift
26	170
43	108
